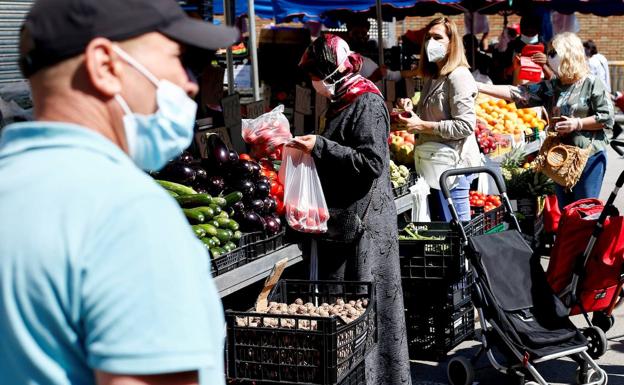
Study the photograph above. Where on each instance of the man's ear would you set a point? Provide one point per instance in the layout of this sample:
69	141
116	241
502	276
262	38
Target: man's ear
103	66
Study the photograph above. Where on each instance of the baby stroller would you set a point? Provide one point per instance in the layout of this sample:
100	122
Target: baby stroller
521	318
592	281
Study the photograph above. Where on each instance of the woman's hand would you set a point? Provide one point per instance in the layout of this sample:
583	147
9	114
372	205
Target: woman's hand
405	104
303	143
412	124
568	125
539	58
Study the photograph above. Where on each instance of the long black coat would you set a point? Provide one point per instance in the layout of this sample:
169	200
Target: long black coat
350	156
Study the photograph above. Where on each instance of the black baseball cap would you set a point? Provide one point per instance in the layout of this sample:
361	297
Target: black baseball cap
55	30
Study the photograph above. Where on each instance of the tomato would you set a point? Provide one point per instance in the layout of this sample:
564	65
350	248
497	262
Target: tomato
280	207
280	192
267	164
244	157
274	187
479	202
323	215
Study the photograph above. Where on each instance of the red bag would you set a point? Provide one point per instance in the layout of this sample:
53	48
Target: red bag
552	214
528	69
603	269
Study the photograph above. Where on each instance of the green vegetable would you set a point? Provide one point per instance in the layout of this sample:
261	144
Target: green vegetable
176	187
222	214
229	246
224	223
233	197
237	235
216	241
217	252
194	200
216	208
194	215
199	231
208	242
207	211
224	235
209	229
214	223
221	202
233	225
175	195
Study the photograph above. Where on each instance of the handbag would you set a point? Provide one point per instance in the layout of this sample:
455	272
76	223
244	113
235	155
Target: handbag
345	225
562	163
432	159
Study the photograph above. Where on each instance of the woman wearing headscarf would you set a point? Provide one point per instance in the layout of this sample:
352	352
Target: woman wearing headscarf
352	159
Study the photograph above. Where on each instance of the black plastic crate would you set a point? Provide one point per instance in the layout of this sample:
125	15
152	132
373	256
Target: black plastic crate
442	258
419	294
326	352
356	377
404	190
229	261
433	332
263	245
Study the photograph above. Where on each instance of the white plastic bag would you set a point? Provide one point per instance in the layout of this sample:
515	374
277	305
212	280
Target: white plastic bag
267	133
306	210
432	159
420	211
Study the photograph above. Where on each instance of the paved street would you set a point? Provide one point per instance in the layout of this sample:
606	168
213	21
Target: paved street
558	372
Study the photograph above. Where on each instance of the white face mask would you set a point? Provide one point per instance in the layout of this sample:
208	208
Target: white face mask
156	138
436	51
554	62
328	89
529	39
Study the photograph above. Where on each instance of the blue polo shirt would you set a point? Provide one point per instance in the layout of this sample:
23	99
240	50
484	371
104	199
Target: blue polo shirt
98	267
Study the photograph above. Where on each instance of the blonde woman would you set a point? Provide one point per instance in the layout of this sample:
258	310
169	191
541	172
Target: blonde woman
577	102
446	110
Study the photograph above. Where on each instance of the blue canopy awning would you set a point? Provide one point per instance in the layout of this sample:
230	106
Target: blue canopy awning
263	8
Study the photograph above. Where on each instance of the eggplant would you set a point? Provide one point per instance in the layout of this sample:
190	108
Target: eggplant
179	173
264	179
218	153
247	188
233	156
186	157
238	208
215	185
256	205
241	170
270	205
271	225
255	167
200	188
250	221
278	219
201	174
262	190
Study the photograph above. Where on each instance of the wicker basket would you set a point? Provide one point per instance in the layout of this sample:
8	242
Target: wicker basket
562	163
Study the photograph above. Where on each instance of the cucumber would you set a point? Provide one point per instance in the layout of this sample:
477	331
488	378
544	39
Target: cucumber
194	215
237	235
217	252
224	223
230	246
224	235
210	230
176	187
199	231
221	202
207	211
194	200
217	209
216	241
233	197
222	214
214	223
207	242
233	225
175	195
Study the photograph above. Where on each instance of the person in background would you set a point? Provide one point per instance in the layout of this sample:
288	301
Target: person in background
94	291
598	64
446	110
580	100
358	40
353	151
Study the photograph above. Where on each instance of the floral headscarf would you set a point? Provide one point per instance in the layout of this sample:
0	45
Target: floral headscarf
322	60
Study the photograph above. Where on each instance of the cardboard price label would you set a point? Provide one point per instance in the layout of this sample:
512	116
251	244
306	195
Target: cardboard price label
201	139
254	109
303	100
232	120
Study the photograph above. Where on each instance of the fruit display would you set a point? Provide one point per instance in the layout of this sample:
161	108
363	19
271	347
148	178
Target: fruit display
521	178
247	191
402	147
267	134
399	175
487	202
501	117
490	143
346	311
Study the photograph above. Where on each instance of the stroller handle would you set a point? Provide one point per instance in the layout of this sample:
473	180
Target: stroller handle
469	171
618	146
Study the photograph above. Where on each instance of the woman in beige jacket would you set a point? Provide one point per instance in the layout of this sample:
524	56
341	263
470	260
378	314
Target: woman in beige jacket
446	110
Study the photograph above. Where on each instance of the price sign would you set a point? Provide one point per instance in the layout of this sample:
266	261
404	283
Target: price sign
201	139
254	109
303	100
299	119
232	120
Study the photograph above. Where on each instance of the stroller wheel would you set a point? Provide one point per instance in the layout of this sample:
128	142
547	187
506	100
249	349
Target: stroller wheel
603	321
460	371
589	377
596	341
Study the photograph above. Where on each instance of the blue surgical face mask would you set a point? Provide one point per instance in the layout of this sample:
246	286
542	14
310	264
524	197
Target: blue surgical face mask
155	139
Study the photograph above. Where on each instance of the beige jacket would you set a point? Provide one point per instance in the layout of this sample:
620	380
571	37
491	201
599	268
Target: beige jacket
450	100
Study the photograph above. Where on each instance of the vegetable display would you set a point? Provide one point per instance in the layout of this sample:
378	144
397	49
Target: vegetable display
398	175
402	147
521	179
487	202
